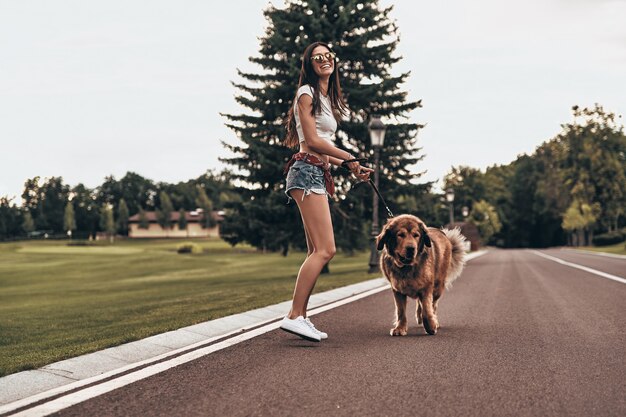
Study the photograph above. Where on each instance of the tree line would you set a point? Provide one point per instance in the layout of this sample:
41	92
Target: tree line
571	188
52	207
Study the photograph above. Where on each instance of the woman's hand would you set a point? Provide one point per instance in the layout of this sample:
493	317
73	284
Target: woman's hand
355	167
361	172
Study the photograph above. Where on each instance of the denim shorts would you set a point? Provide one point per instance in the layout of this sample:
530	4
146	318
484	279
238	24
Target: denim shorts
305	177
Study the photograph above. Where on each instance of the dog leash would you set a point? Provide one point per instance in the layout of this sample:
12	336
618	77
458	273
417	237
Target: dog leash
382	200
389	213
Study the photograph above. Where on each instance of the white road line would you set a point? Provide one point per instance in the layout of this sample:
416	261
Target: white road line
584	268
119	382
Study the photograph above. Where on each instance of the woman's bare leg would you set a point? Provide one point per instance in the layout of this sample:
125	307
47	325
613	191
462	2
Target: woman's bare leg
309	244
310	249
319	229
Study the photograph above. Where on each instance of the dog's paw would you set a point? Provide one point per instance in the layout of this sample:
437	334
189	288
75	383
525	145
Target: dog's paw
398	331
430	331
431	325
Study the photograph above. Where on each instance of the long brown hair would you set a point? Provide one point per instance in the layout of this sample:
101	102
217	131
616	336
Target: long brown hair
310	77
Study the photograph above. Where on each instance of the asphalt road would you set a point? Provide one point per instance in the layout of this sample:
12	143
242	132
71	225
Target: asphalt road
521	335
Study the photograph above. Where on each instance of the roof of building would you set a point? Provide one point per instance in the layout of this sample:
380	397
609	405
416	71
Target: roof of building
194	216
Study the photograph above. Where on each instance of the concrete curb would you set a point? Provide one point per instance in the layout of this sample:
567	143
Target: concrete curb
27	387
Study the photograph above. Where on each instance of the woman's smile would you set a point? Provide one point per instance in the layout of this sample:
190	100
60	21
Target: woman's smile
323	61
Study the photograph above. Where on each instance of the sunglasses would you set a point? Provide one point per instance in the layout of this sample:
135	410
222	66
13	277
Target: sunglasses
321	57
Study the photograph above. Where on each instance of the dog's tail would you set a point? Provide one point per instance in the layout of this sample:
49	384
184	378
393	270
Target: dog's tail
458	254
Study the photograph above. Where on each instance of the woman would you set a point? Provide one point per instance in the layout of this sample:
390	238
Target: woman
311	125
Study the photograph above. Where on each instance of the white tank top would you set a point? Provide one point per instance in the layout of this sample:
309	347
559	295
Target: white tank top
325	123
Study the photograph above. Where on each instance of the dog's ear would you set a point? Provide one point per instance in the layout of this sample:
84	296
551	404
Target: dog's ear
384	236
424	239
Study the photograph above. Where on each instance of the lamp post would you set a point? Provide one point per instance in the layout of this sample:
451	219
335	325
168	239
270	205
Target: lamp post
450	199
467	243
376	129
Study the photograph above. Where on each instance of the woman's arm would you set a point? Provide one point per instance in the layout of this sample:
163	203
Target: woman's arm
335	155
313	141
335	161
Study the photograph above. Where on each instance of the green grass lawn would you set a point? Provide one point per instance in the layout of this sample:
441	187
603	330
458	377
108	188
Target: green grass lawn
618	248
59	301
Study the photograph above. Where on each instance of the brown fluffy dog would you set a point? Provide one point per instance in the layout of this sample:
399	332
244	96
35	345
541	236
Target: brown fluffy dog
420	263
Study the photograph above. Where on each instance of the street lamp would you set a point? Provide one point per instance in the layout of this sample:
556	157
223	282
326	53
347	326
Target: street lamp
376	129
465	212
450	199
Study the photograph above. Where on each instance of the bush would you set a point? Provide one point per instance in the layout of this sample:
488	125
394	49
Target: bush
189	247
610	238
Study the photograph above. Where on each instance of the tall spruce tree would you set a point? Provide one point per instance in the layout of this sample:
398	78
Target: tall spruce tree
28	225
182	219
86	210
204	202
10	218
164	214
144	223
69	219
365	38
122	217
107	223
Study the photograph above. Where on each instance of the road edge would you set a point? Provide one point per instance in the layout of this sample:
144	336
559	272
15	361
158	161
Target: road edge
590	252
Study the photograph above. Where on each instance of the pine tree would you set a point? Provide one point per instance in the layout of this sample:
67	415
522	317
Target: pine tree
54	197
85	210
364	37
28	225
204	202
122	217
144	223
106	221
69	220
164	214
182	219
32	201
10	218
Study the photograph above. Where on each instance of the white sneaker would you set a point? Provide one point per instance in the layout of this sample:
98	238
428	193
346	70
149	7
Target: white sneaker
300	327
319	332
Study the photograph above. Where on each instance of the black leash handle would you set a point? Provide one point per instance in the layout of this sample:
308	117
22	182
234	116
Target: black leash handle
345	163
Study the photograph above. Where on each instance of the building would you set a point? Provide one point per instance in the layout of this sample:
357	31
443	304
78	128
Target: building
470	231
194	228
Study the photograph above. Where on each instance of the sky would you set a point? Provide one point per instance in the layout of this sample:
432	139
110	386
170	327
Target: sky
90	89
